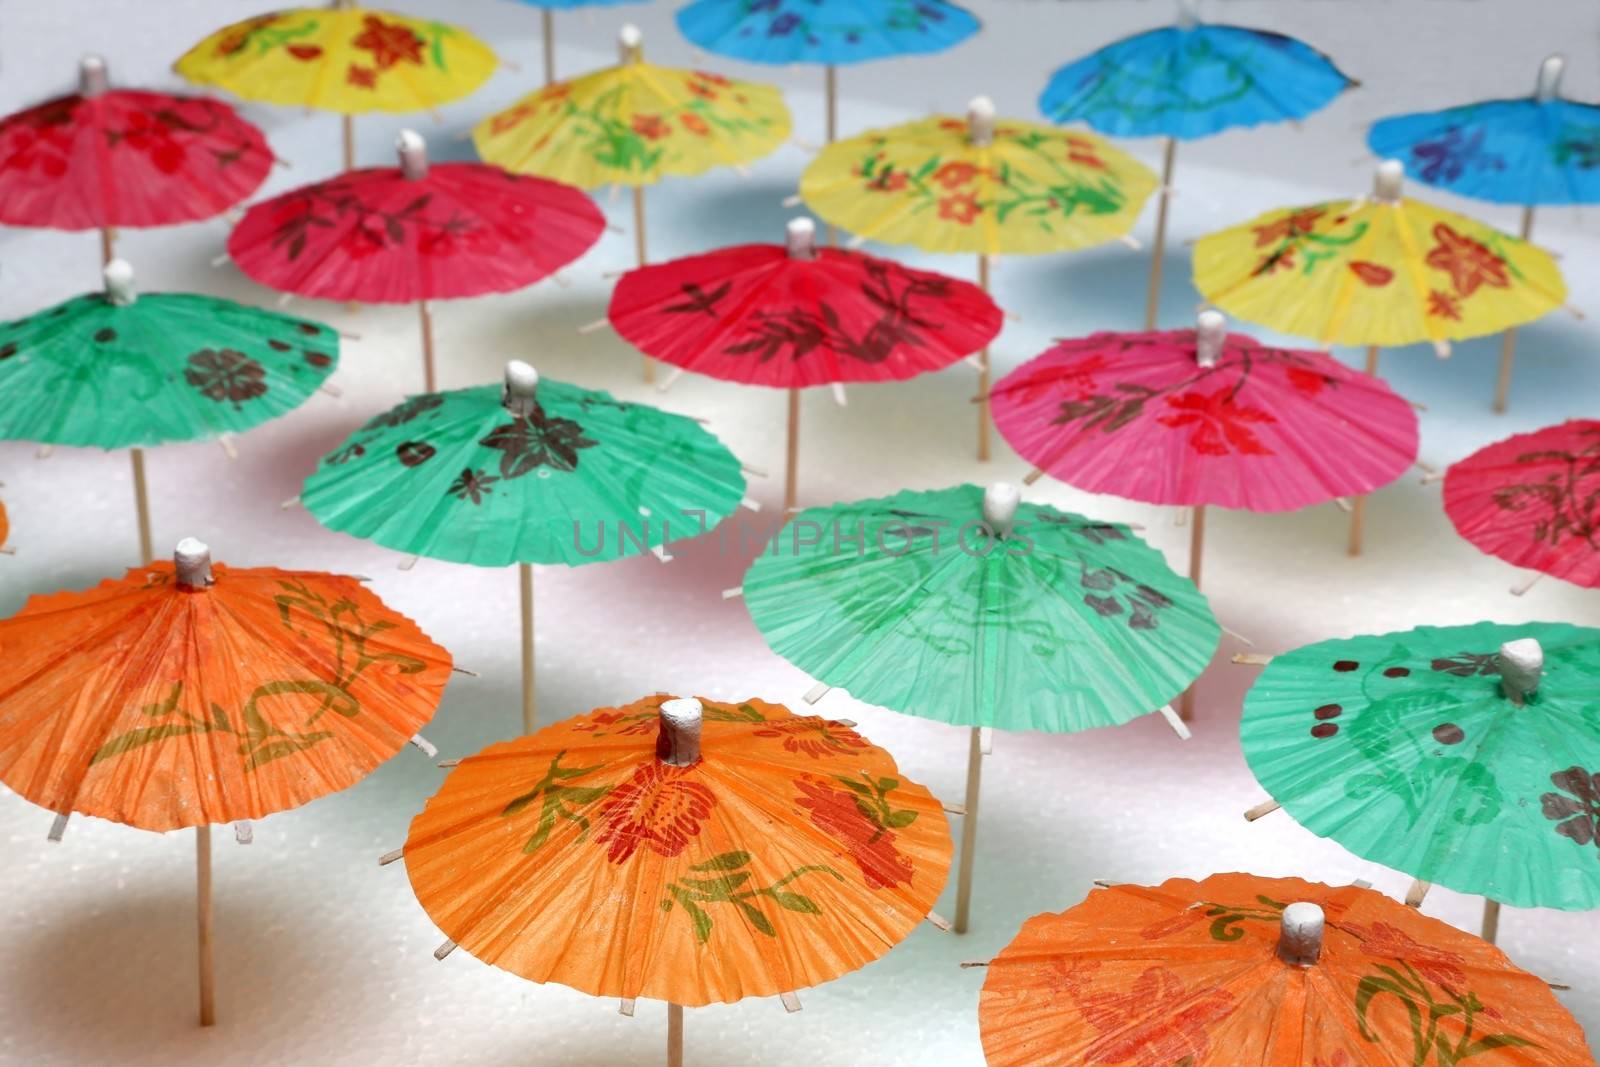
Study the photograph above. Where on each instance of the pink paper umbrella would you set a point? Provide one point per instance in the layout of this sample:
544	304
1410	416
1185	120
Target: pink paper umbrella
104	158
1533	500
1204	417
414	233
793	316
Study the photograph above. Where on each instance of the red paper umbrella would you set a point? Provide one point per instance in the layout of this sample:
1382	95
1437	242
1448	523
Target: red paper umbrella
1200	417
1534	500
796	316
413	233
103	158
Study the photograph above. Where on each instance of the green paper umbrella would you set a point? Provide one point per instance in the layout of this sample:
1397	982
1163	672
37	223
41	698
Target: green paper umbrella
120	370
531	472
1056	622
1467	756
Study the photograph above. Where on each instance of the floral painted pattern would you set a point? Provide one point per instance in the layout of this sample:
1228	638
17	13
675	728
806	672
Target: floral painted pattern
1562	498
537	440
723	879
225	375
557	800
813	736
661	808
1575	806
1469	263
861	819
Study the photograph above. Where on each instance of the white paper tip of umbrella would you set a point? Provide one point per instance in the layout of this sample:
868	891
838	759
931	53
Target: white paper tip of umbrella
629	40
838	395
1210	333
986	740
118	275
521	388
1388	181
58	826
816	692
244	832
1000	502
1300	934
800	236
92	79
733	594
1521	664
1179	727
681	720
192	559
413	153
1548	87
980	121
427	747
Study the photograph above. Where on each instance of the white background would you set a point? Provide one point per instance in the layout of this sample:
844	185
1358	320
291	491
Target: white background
324	958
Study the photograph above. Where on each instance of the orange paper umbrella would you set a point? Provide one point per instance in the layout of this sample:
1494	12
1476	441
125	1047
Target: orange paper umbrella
1238	970
184	695
684	850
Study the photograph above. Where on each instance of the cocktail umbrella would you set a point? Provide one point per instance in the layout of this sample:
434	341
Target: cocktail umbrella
1538	150
1185	82
1534	500
634	124
525	474
1383	270
1202	417
691	851
415	233
104	158
341	58
1238	970
547	25
1462	755
832	33
120	370
184	694
963	606
793	316
978	187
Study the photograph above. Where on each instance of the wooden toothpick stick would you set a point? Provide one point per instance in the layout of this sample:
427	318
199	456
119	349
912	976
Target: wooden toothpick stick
1418	890
1266	807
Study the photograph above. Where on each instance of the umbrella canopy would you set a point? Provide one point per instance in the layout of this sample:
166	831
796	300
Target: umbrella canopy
692	851
1192	80
1197	417
102	158
976	185
965	607
118	369
1532	500
415	232
831	32
341	58
1384	270
184	694
1535	150
634	124
1465	756
792	316
1239	970
537	471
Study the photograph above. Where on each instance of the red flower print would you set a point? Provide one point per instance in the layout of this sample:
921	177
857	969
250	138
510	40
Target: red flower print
813	736
953	125
701	89
1372	274
694	124
1174	923
1437	965
1071	975
888	181
389	43
361	77
1220	425
362	241
1157	1023
650	127
1309	382
509	118
1468	263
1442	305
1084	153
1340	1058
236	41
1076	382
1295	224
842	817
960	208
659	808
305	53
1273	262
714	79
955	175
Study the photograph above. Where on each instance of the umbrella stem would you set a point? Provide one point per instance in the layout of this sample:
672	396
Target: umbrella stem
347	125
1372	360
426	318
141	503
202	865
983	372
108	243
674	1035
1491	919
1358	506
1152	303
969	832
547	30
1508	345
792	459
643	255
529	707
1197	545
830	84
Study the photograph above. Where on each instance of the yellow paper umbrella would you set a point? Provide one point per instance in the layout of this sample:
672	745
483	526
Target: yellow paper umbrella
981	187
1381	270
634	124
341	58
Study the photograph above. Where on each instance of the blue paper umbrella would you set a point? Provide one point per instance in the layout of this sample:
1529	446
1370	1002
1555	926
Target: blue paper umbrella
1538	150
547	24
1187	81
832	33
